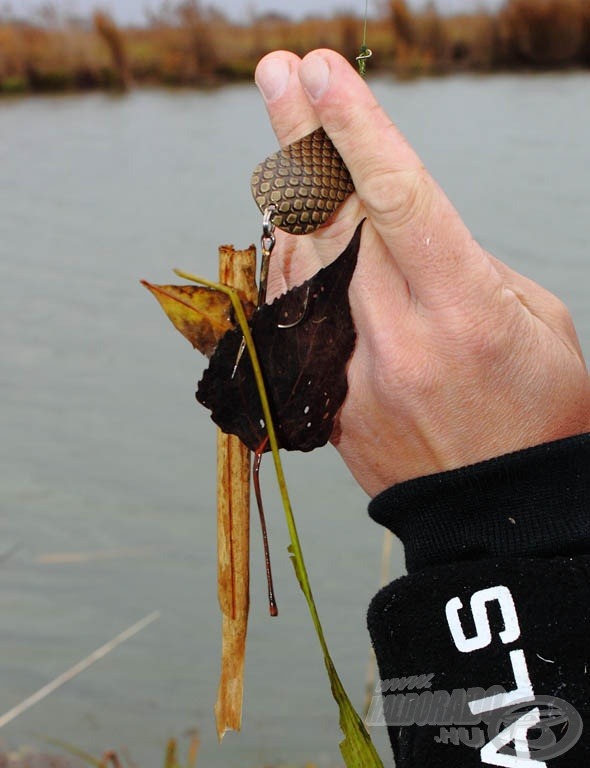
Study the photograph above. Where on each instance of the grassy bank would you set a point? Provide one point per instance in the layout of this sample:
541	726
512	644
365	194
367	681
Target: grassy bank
186	44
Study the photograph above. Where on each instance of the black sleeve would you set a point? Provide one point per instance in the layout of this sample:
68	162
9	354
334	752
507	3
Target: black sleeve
484	647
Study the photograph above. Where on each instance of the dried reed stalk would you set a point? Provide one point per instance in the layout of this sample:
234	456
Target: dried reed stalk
115	40
236	269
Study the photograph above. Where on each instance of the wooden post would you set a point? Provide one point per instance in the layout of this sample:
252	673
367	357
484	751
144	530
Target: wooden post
236	269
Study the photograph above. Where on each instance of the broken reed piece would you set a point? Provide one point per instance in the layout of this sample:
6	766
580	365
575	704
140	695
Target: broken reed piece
238	270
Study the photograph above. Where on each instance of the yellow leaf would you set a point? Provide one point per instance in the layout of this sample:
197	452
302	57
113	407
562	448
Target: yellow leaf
202	315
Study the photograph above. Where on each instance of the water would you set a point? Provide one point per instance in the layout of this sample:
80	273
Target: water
103	447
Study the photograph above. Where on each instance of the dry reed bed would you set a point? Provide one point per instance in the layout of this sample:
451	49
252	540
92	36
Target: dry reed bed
188	45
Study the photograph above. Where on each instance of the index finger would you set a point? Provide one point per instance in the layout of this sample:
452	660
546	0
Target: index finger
425	235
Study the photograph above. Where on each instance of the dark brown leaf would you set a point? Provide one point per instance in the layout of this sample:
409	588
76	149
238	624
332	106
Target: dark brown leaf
304	340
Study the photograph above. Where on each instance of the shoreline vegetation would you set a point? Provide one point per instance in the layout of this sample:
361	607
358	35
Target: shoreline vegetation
188	44
71	756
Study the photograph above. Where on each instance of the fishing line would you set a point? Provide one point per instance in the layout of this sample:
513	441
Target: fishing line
364	52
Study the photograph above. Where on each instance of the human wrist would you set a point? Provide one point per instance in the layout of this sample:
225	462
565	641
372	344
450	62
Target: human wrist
534	502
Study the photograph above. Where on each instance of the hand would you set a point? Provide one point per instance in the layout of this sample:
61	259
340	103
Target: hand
458	357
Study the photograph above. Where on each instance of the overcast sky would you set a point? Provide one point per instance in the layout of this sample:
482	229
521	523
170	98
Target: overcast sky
133	11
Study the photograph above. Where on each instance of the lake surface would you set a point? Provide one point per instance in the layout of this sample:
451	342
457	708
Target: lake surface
104	450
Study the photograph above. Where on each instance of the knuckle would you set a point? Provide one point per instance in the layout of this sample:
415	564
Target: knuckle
412	371
396	195
484	338
561	315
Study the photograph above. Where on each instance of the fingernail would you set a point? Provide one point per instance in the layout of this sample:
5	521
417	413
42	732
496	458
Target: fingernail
314	74
272	78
